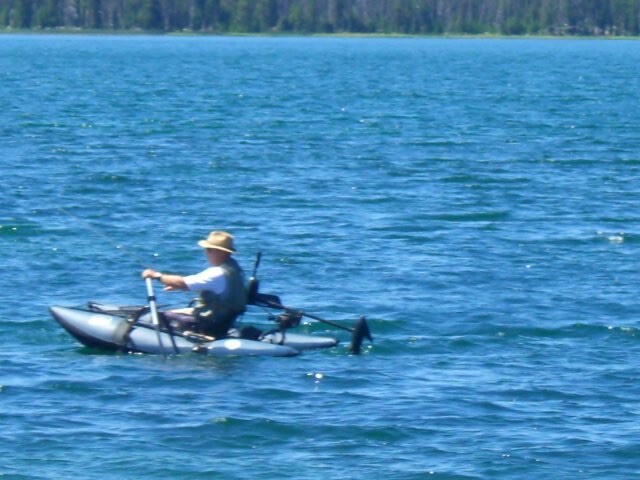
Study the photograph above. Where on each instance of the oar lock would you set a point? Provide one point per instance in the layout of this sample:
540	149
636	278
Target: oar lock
289	319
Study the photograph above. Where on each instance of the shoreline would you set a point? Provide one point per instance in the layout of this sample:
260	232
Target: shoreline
451	36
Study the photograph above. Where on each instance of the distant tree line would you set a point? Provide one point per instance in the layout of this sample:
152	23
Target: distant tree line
505	17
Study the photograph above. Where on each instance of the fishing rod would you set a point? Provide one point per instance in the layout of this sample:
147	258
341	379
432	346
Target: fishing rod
137	260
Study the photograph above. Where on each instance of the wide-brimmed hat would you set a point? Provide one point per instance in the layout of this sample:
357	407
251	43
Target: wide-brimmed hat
220	241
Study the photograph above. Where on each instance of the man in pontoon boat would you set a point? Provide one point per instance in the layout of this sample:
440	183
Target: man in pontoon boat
221	287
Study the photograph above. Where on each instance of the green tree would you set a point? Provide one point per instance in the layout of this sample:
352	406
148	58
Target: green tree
210	14
129	16
4	15
266	14
93	19
47	14
22	14
150	16
243	16
403	16
301	16
195	15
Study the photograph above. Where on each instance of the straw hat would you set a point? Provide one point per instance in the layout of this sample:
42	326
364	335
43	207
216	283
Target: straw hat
220	241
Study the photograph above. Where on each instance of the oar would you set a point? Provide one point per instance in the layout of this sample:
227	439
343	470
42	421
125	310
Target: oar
359	332
154	312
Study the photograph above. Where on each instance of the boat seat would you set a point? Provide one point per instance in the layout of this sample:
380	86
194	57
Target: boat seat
179	320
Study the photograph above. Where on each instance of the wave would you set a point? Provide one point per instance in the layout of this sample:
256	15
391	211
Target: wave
574	330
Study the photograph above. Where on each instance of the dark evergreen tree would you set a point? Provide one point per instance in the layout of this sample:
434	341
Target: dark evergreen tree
23	14
266	15
150	16
46	15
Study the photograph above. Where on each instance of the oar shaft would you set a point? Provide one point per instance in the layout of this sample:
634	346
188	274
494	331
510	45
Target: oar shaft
153	307
337	325
272	301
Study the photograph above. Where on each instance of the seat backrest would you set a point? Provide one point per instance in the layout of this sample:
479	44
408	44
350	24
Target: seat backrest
252	290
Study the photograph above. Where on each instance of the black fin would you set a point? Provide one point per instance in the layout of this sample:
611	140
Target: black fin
360	332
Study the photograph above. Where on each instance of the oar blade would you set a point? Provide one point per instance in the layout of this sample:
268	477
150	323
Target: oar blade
360	332
267	300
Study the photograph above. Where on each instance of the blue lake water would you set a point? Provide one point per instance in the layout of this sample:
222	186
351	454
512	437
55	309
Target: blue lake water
477	200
